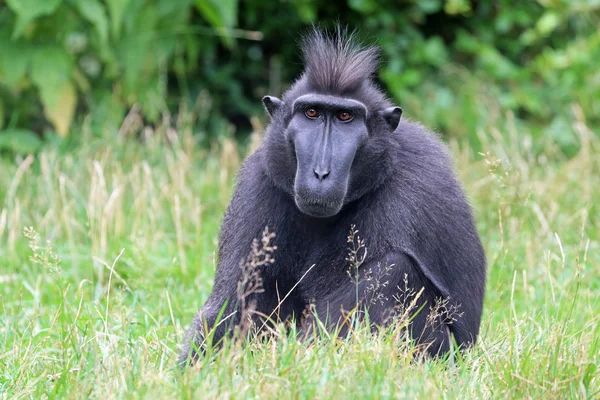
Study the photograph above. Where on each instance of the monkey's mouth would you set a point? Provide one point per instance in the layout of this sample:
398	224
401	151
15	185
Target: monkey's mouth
319	208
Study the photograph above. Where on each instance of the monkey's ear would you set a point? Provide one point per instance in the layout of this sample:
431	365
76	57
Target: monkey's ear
272	104
392	116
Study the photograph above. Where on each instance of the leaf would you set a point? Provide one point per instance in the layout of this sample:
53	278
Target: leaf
434	52
51	68
547	23
51	72
363	6
220	14
455	7
14	61
20	141
61	113
94	12
307	11
228	10
429	6
116	9
131	52
28	10
1	113
174	7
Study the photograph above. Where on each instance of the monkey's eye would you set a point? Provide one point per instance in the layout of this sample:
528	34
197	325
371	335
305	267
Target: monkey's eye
312	113
344	116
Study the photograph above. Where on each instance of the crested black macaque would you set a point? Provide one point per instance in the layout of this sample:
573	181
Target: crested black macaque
336	155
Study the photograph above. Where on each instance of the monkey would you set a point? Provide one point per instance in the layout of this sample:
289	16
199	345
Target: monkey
335	155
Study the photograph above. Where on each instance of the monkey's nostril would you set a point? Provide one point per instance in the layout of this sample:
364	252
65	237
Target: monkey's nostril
320	174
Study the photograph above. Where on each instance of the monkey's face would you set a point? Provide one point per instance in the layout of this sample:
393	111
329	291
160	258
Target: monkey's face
327	137
326	132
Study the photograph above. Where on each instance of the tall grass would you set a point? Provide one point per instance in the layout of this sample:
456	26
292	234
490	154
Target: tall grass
108	249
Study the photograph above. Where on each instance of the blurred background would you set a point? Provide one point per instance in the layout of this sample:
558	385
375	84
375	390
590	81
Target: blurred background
124	122
458	66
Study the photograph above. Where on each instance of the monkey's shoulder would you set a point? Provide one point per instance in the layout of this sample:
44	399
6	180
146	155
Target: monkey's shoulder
422	191
256	201
416	140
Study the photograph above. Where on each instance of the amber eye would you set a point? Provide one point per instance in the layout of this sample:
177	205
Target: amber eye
312	113
344	116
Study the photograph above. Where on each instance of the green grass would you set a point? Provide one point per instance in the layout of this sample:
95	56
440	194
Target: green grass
135	228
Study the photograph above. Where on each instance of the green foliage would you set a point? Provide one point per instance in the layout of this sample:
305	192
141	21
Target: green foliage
449	63
20	141
220	14
65	55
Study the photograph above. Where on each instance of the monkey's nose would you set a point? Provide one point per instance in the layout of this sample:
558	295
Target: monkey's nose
320	174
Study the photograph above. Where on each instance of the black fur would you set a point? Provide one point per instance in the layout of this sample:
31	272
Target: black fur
402	196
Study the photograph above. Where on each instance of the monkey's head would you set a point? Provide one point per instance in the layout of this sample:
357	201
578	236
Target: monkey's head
326	145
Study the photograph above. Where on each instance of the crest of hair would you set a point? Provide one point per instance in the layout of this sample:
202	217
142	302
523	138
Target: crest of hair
336	62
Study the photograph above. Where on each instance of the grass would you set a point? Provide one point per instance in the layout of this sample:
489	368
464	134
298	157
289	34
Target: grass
108	249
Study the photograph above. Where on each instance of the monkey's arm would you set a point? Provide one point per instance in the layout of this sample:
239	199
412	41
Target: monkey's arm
392	286
244	221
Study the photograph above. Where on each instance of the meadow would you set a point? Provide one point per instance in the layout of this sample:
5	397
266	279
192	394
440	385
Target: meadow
108	248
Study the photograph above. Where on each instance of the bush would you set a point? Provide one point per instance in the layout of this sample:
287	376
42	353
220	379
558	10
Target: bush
454	64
